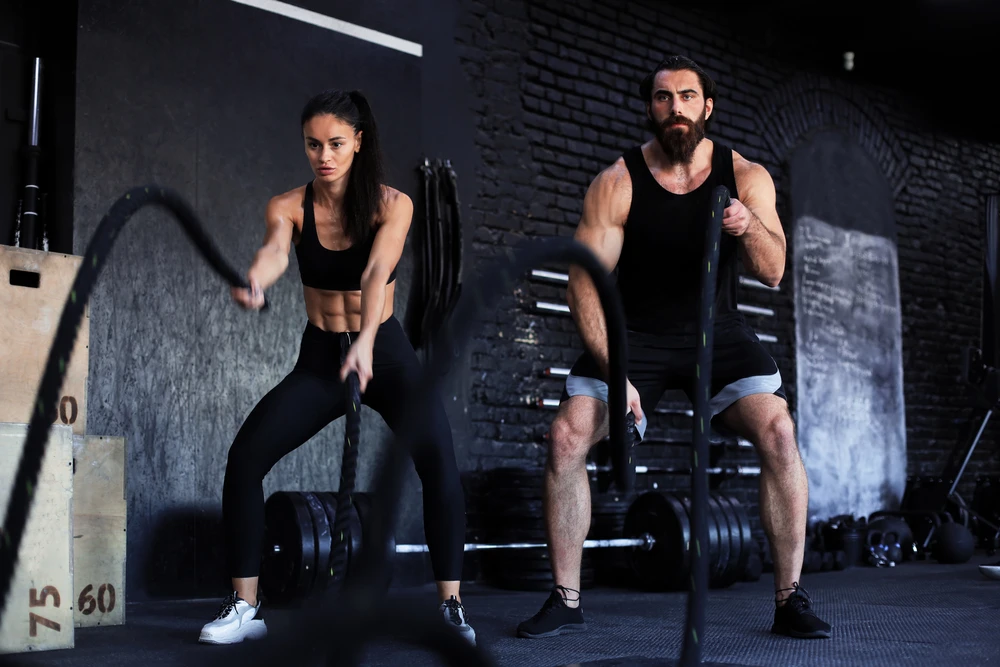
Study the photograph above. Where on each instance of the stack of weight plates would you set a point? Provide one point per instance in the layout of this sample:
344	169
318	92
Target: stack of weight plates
513	513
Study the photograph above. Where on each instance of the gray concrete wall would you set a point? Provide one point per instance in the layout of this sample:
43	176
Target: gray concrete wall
203	96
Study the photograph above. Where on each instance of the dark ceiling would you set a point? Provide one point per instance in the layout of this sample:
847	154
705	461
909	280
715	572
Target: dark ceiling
944	55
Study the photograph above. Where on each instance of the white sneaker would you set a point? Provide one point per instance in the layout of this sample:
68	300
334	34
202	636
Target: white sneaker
991	571
454	614
236	621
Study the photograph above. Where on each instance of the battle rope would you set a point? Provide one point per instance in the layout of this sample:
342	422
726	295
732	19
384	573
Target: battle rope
348	620
348	473
44	413
439	279
694	633
457	250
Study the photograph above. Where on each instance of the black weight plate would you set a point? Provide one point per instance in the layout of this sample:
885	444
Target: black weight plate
666	565
329	501
609	505
712	549
724	546
357	544
728	519
500	495
503	572
506	480
321	530
746	531
515	583
740	534
515	507
534	560
289	574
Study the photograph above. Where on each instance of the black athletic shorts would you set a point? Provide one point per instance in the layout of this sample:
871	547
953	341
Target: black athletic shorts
740	367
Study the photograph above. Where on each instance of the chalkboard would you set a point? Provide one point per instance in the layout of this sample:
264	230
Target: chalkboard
848	361
848	330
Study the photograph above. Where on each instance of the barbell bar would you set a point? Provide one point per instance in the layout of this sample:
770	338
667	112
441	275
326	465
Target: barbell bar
646	542
738	471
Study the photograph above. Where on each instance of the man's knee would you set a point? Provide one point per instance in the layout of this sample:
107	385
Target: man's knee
568	443
776	442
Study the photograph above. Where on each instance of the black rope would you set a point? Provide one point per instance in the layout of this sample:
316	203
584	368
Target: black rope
455	249
348	473
343	622
44	410
440	239
432	256
418	321
694	633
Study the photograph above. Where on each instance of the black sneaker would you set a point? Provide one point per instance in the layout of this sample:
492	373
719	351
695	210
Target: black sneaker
795	618
554	618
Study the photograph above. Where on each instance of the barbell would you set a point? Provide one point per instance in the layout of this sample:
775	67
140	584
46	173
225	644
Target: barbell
300	542
645	542
732	471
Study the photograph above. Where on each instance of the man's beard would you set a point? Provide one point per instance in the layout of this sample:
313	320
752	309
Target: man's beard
679	144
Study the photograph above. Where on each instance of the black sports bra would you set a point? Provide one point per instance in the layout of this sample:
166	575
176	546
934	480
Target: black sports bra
326	269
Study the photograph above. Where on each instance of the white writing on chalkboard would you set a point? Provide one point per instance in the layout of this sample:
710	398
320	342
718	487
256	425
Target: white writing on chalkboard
849	366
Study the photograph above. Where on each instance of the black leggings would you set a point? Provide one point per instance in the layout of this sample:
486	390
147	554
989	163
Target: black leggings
309	398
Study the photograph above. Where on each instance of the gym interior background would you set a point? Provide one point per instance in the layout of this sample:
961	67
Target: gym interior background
528	100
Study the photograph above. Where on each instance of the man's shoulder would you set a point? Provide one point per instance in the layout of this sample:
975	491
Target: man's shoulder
743	166
614	179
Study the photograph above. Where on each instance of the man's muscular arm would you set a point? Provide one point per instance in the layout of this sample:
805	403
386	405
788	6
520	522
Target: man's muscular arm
762	240
602	230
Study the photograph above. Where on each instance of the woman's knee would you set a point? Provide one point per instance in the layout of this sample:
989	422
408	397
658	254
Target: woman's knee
434	452
245	463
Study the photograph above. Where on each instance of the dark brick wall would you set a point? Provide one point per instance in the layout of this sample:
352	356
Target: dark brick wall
554	86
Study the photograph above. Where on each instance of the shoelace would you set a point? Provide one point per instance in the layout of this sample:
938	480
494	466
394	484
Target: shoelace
227	606
550	603
798	600
454	606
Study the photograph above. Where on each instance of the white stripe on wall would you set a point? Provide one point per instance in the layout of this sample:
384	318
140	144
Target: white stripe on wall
336	25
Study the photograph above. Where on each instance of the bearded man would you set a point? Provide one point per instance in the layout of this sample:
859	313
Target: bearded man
644	218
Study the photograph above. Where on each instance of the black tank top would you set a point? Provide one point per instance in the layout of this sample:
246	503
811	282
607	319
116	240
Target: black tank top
659	270
326	269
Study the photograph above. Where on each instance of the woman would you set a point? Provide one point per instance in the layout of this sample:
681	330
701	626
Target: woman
348	230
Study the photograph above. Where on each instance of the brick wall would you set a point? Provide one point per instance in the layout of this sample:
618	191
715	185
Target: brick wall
555	97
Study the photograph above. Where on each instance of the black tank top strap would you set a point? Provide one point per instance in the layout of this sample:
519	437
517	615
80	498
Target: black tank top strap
309	216
722	168
641	177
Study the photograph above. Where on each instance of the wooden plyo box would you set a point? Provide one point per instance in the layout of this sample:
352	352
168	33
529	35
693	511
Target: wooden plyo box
39	611
99	530
34	287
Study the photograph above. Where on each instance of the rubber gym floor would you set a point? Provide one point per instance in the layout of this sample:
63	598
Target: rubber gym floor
918	613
